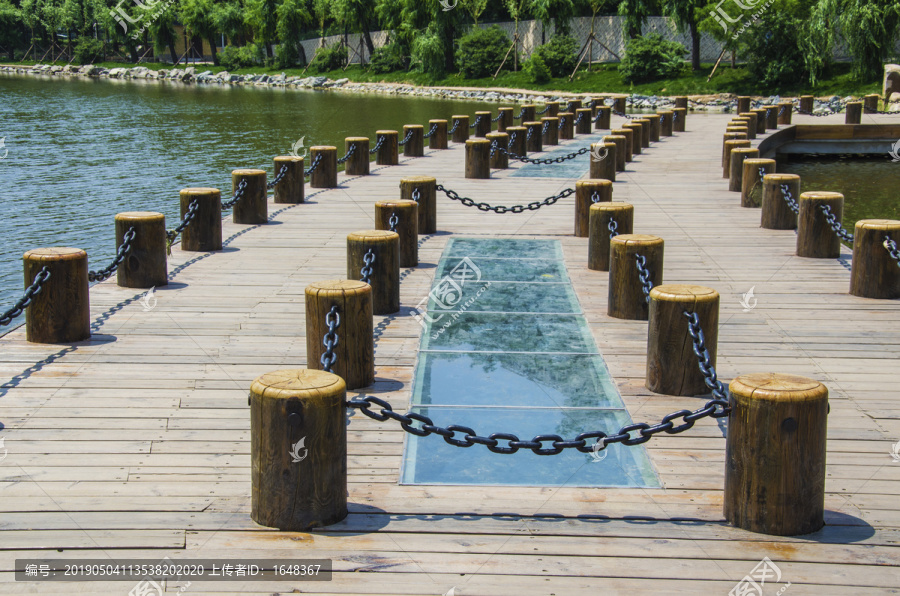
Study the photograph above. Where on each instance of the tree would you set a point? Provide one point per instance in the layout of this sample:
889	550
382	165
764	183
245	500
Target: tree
686	15
261	15
292	16
559	11
516	10
870	28
229	19
636	13
198	20
358	16
475	8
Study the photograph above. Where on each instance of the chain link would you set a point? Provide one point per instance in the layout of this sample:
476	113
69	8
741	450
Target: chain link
829	113
703	361
121	253
393	220
349	154
314	165
636	116
789	199
613	227
533	206
579	119
477	120
891	246
431	131
367	269
545	128
545	161
278	178
521	114
595	198
644	276
408	136
562	121
238	195
30	292
497	119
416	195
378	144
544	111
455	126
172	235
330	341
835	224
529	134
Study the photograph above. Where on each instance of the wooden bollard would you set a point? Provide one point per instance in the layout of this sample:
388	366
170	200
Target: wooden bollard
407	227
599	235
506	119
585	191
461	128
358	163
807	103
629	141
551	136
681	101
666	124
679	119
636	134
874	273
671	363
566	125
325	174
478	153
740	129
500	158
355	349
603	161
729	147
290	189
654	128
204	233
776	215
815	238
573	104
743	104
385	277
761	124
415	146
731	136
870	103
438	138
603	122
775	454
771	117
755	170
785	111
145	265
620	104
252	208
389	152
517	135
619	153
482	124
536	143
645	131
61	312
736	164
298	449
626	295
752	126
853	114
583	121
427	189
528	113
553	108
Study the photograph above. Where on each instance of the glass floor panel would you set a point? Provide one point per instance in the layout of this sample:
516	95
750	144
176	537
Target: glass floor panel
512	297
493	269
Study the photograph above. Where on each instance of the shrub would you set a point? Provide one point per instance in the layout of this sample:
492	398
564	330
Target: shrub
233	58
329	58
388	58
774	57
480	52
649	58
537	70
88	50
559	55
428	53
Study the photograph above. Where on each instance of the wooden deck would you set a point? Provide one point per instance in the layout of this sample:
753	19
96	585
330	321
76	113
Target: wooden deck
136	444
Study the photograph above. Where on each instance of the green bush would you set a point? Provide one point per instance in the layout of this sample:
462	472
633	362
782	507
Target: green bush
388	58
774	57
480	52
559	55
537	70
329	58
428	53
88	50
233	58
649	58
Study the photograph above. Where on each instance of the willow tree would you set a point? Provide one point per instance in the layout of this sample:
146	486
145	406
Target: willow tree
559	11
636	13
199	21
261	15
292	18
686	14
358	16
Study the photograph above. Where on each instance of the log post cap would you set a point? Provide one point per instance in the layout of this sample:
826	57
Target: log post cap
477	142
253	171
638	239
201	190
593	183
497	135
884	225
777	387
532	123
320	148
139	216
395	203
682	292
759	161
412	126
386	132
337	287
614	137
55	253
431	179
356	139
612	206
619	131
437	121
373	235
306	383
820	195
782	177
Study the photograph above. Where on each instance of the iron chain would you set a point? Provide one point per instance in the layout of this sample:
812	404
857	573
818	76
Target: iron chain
497	119
477	120
416	195
455	126
330	341
544	111
637	116
533	206
521	114
595	198
30	292
238	195
545	161
789	199
892	249
579	119
406	139
366	271
393	220
431	131
314	165
644	276
703	361
378	144
121	253
349	154
172	235
835	224
278	177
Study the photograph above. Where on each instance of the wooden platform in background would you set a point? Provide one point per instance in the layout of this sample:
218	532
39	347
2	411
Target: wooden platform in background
135	444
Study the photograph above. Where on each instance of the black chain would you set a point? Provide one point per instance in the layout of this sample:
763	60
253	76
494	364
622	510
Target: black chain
477	120
892	249
30	292
789	199
636	117
314	165
578	120
431	131
393	220
378	144
455	126
497	119
868	110
366	271
330	341
238	195
512	137
545	128
349	154
840	107
408	136
613	227
835	224
494	147
533	206
595	198
562	121
546	161
544	111
521	114
706	368
278	178
172	235
121	253
416	195
530	133
644	276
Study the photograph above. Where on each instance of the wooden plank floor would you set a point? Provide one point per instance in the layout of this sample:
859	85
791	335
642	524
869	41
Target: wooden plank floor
136	443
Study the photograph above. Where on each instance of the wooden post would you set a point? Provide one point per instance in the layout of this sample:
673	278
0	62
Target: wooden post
517	136
771	117
584	198
807	103
776	215
385	278
753	126
620	104
729	147
853	113
388	154
407	227
584	124
815	238
654	128
599	235
626	296
566	125
355	350
681	101
671	363
204	233
252	208
679	119
645	131
619	153
741	121
666	122
291	187
461	134
500	159
60	312
554	108
426	185
629	141
535	144
573	104
603	122
775	454
415	146
739	129
528	112
145	265
761	124
874	273
785	111
506	119
298	449
358	163
478	152
736	175
438	139
743	104
551	137
603	161
636	134
482	124
731	136
870	103
325	174
752	180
